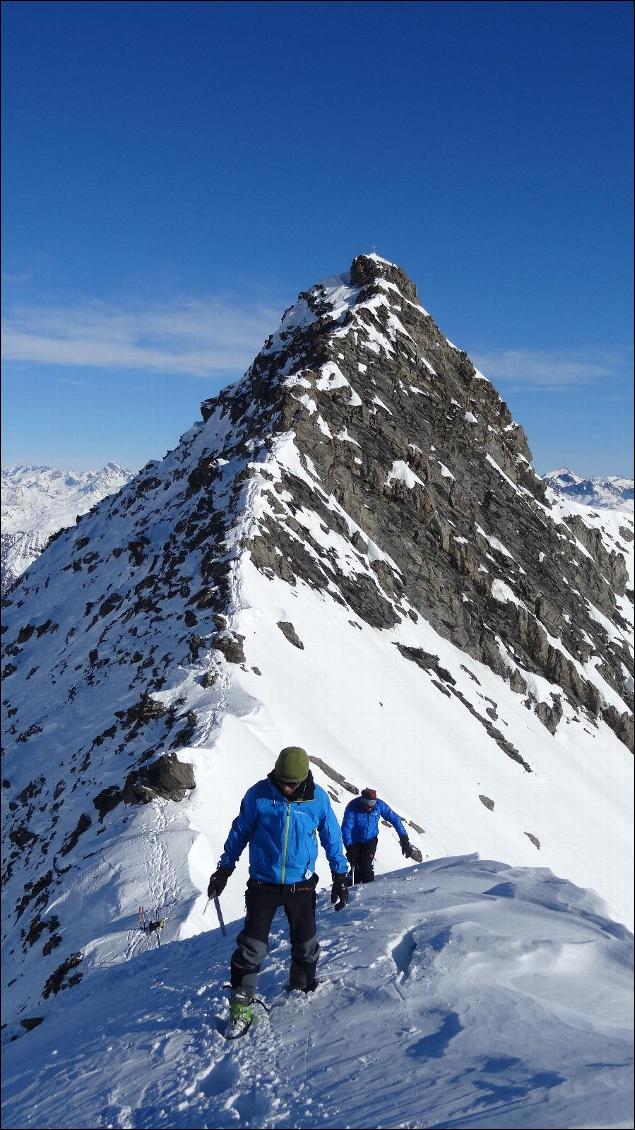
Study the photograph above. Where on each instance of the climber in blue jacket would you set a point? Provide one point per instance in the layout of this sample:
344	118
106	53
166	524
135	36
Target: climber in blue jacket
281	818
360	829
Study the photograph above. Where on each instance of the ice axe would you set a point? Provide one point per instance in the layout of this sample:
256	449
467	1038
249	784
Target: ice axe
219	912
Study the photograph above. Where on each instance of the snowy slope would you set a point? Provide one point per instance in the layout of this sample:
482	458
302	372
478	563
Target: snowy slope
460	993
603	490
39	501
334	558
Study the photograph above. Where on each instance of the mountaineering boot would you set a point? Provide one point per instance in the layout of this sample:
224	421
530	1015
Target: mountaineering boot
304	959
309	987
302	980
241	1015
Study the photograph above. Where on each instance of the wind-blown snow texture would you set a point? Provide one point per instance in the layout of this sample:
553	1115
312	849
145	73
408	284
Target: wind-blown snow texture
458	993
351	552
39	501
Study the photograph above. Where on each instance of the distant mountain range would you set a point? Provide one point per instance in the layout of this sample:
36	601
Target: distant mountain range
615	491
37	502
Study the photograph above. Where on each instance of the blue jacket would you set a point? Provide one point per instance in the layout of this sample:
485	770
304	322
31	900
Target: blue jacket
362	824
282	834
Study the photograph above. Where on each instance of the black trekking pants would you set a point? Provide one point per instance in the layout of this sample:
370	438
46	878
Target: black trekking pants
360	857
262	900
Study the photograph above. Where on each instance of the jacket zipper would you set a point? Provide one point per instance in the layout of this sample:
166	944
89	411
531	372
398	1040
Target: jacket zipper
285	844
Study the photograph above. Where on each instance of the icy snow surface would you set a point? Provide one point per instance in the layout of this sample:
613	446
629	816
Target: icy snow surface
459	993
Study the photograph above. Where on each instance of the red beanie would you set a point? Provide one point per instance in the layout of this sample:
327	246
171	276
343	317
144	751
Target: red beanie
369	794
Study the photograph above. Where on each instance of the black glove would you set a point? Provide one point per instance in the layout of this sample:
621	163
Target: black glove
218	882
349	853
406	847
339	892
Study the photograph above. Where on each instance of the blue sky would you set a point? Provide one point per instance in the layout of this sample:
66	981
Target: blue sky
175	173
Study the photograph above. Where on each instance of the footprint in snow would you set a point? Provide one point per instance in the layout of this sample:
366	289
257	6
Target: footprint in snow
254	1106
223	1075
402	954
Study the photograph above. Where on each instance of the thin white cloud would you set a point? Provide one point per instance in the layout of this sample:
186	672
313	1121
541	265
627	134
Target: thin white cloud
200	337
545	370
78	383
212	336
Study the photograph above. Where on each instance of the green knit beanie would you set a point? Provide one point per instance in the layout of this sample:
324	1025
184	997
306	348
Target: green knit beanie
292	765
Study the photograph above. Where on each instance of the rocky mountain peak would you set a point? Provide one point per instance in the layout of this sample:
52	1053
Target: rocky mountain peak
419	454
367	270
365	332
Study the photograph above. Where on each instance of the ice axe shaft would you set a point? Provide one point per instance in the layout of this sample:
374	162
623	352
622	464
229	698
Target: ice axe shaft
220	915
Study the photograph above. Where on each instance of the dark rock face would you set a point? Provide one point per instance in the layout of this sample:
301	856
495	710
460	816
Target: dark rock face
411	449
231	645
31	1022
70	842
62	977
289	631
166	777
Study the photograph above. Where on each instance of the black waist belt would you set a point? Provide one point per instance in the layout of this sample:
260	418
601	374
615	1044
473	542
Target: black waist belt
284	888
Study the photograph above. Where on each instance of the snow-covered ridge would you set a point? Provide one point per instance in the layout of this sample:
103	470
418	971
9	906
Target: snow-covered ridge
319	561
